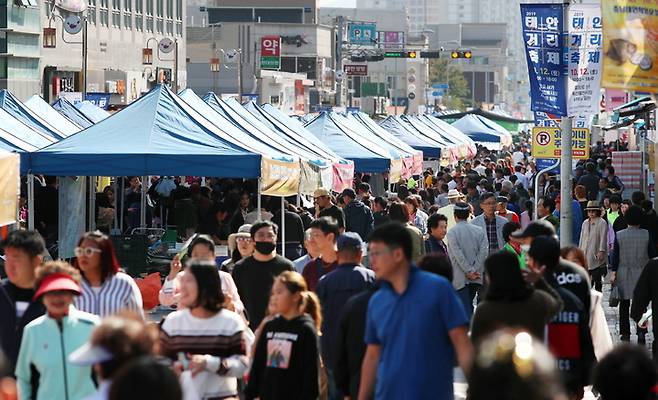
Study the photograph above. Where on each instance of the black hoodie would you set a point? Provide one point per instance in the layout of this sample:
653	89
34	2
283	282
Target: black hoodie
286	363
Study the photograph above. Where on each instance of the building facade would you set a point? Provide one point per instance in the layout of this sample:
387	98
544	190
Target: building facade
117	33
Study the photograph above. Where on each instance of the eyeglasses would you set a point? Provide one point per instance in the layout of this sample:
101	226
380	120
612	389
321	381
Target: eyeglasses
379	253
86	251
243	239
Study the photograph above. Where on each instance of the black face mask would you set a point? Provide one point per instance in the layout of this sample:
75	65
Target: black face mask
265	248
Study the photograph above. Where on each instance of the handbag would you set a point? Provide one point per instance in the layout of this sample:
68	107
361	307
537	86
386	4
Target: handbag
613	301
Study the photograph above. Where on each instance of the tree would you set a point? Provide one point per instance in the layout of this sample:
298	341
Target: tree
458	96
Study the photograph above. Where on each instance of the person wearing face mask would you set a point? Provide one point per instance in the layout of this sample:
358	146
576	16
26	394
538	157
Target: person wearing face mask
255	275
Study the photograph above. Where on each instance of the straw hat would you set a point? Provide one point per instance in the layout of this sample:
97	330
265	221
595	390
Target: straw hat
593	206
454	194
243	231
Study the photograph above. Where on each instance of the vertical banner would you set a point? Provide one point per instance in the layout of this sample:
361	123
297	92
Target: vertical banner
630	44
585	42
543	35
279	178
9	188
72	213
343	176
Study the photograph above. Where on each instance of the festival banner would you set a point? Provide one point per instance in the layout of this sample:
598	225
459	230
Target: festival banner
279	178
315	176
585	41
418	164
9	188
343	176
543	35
630	45
395	172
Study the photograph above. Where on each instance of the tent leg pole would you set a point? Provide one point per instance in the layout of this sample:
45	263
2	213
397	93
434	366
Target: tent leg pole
115	187
30	202
258	201
123	202
92	203
283	228
299	199
142	208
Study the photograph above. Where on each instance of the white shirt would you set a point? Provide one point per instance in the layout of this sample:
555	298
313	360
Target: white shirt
480	169
522	179
517	157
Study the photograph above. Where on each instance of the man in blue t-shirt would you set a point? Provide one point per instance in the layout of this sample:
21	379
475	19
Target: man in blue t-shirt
414	328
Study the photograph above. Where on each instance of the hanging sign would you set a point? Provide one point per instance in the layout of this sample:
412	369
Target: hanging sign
543	33
546	142
585	42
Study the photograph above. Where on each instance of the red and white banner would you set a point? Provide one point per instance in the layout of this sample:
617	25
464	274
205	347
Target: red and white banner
343	176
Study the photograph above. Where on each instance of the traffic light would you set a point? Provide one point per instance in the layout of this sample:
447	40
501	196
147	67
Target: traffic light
412	54
461	54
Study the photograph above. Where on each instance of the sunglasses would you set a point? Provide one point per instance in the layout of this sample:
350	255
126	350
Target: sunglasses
243	239
86	251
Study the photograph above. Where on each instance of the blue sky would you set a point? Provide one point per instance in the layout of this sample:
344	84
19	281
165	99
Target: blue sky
338	3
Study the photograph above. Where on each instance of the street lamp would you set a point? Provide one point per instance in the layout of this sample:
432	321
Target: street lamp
49	38
73	24
166	46
214	65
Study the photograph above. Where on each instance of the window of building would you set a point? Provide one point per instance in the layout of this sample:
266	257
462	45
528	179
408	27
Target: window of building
149	15
170	9
179	10
91	12
288	64
3	67
307	65
159	7
104	13
116	13
159	25
149	7
170	27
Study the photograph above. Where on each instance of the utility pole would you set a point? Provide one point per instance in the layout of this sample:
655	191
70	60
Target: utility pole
566	219
339	60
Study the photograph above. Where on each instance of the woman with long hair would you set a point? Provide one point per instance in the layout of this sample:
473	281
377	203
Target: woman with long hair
105	289
208	342
511	301
417	216
287	358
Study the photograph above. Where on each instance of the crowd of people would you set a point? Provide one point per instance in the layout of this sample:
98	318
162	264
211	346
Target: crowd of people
379	295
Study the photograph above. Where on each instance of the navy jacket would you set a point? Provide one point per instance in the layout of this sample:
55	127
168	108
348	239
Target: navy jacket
333	290
11	330
359	219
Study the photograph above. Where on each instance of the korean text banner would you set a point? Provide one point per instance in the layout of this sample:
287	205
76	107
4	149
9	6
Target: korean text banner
279	178
546	142
630	45
585	40
543	31
9	188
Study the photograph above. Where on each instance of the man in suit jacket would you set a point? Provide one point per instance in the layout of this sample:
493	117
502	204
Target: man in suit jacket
467	249
491	223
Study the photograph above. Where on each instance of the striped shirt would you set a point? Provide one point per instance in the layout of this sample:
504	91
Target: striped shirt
222	339
116	294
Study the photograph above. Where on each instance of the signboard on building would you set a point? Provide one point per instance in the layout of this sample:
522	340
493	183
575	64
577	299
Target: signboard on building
391	39
543	31
546	142
585	40
101	100
270	52
364	33
356	69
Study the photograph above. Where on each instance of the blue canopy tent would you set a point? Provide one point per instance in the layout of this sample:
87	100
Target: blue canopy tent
14	107
430	148
479	132
18	129
158	134
367	156
235	134
234	112
364	132
73	114
11	143
92	111
506	135
382	133
291	131
52	116
466	146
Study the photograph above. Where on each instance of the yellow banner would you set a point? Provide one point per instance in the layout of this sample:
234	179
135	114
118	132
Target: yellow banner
546	142
279	178
630	44
9	188
396	170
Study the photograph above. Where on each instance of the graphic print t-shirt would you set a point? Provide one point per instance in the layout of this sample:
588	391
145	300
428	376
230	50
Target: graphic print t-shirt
286	362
